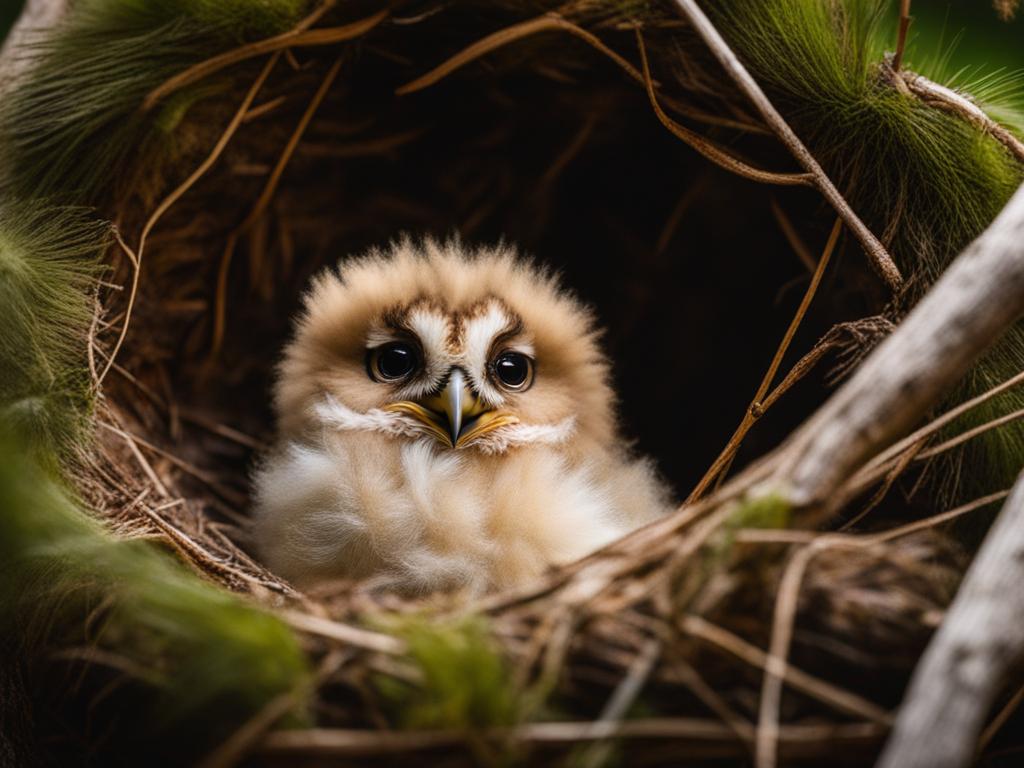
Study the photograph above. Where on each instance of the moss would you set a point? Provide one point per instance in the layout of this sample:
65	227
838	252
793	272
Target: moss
763	511
202	661
466	683
769	510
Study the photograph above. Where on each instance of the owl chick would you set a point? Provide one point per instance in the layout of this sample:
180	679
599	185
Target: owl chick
445	421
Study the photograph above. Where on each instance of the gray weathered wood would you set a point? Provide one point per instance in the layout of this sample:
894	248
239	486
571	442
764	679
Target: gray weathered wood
37	14
966	663
978	298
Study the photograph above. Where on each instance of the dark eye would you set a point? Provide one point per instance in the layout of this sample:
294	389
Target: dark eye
394	361
513	369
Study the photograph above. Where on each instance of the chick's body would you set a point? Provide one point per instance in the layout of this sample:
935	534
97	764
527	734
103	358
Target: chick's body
445	422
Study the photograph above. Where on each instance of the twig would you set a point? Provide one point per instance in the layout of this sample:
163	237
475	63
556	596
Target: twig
708	149
620	702
694	732
1000	719
842	701
918	436
202	475
756	408
147	468
353	636
298	37
939	519
948	100
554	22
766	742
546	22
981	429
193	552
171	199
898	468
233	750
792	236
684	672
966	663
261	203
265	108
901	37
880	258
687	199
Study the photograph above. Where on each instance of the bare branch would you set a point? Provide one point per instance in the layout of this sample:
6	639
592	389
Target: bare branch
966	663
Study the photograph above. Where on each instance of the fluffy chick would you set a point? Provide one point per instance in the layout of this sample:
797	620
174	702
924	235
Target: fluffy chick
445	421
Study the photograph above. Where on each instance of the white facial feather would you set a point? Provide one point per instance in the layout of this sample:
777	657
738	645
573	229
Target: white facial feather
335	415
478	336
504	438
432	330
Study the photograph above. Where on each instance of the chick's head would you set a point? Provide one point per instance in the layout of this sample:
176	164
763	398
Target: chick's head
471	349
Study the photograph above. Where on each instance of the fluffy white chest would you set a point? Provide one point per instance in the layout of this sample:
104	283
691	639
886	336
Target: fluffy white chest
425	517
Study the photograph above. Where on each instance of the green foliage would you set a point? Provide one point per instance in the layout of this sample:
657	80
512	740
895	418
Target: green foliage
755	511
820	61
74	126
241	19
761	511
48	261
927	178
201	659
465	681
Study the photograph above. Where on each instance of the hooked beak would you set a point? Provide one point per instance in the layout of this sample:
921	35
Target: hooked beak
454	416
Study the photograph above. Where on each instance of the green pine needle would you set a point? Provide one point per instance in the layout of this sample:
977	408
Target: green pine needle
48	262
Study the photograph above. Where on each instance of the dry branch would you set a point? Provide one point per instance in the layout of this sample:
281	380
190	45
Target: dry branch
969	308
965	666
948	100
702	737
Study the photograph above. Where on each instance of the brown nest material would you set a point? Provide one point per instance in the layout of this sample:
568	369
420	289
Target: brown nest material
672	645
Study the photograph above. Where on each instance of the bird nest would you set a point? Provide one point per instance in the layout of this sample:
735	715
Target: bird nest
571	131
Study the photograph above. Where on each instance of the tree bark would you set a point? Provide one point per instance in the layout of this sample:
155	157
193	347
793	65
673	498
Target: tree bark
966	663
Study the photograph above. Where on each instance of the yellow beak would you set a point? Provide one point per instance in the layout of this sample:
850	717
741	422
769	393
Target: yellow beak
455	416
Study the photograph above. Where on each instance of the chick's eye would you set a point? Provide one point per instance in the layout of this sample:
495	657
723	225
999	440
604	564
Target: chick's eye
514	370
393	361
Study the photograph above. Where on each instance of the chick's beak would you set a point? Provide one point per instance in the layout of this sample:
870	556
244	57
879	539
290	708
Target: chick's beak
454	416
457	402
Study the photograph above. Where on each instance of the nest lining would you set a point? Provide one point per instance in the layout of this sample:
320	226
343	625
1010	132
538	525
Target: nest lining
508	150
